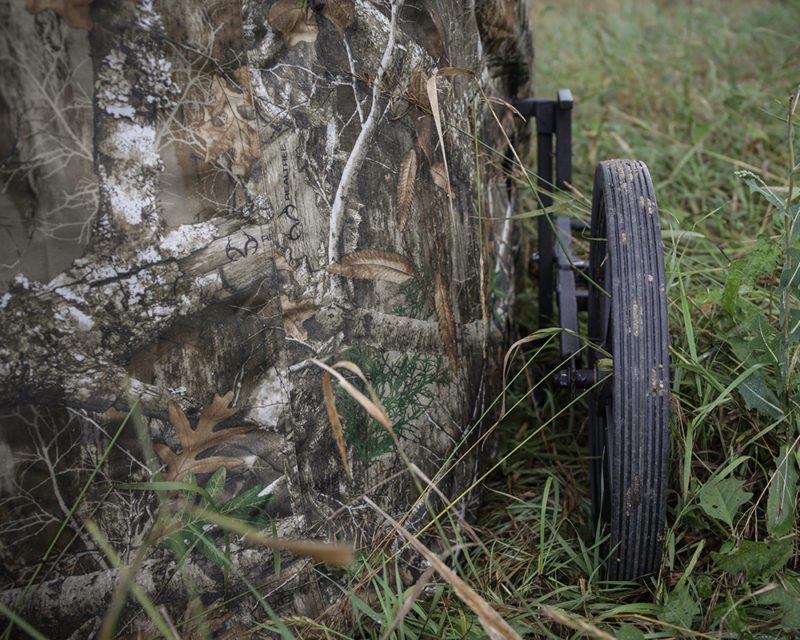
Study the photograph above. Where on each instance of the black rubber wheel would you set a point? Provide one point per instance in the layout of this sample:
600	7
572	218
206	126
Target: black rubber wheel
629	411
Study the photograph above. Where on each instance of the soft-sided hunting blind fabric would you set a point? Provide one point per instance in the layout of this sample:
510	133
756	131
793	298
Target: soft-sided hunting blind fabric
198	200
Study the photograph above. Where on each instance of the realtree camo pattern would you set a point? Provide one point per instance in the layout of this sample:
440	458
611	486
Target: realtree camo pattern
201	198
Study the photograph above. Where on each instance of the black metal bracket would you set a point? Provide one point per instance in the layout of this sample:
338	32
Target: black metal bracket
557	265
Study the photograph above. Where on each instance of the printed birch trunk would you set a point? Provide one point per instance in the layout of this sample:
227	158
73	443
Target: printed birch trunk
199	200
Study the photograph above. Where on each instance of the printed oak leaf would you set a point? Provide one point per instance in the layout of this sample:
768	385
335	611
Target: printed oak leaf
405	187
294	20
375	265
200	439
74	12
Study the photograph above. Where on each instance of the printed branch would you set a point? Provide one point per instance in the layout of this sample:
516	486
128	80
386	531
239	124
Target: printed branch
359	151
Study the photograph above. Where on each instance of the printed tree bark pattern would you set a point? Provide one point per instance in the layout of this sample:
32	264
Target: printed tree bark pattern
200	199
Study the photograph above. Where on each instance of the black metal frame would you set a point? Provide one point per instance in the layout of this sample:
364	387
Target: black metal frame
639	423
559	270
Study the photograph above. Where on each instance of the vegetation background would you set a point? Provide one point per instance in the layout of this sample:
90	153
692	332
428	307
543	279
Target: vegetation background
700	92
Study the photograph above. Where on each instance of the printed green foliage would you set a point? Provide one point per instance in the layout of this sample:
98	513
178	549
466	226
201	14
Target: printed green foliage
757	560
497	294
721	499
782	498
417	295
404	385
216	483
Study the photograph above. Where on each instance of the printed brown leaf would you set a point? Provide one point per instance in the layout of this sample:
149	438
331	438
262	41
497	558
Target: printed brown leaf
444	314
340	13
294	20
405	187
418	89
294	314
336	423
417	95
195	441
423	124
74	12
433	96
375	265
439	176
224	134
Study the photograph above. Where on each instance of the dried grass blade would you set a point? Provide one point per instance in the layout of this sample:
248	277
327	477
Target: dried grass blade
417	89
507	105
125	583
491	621
439	178
512	350
336	424
454	71
336	554
372	406
411	598
452	506
354	368
576	623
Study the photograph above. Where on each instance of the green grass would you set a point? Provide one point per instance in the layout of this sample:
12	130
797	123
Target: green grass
697	91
